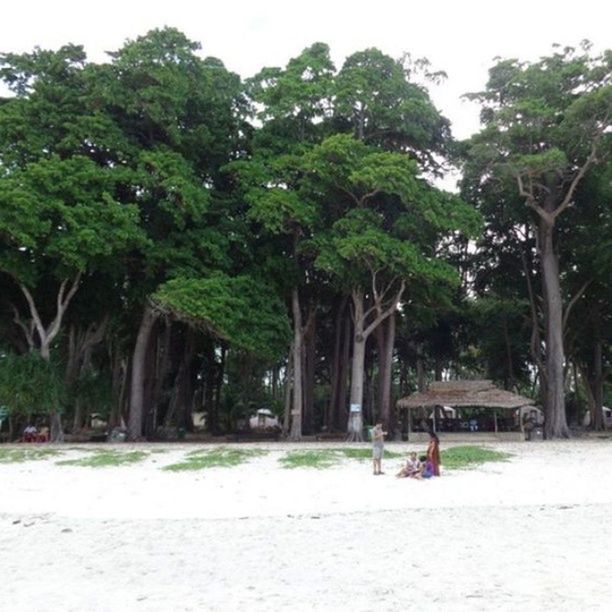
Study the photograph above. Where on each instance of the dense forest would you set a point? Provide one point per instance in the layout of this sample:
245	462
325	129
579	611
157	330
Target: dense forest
177	241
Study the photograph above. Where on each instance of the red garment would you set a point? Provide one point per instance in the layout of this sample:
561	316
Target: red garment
433	454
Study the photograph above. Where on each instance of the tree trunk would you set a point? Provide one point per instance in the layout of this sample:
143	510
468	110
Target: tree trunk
509	382
334	373
360	335
340	413
288	389
386	344
595	384
355	423
184	384
309	361
296	413
161	367
554	408
137	391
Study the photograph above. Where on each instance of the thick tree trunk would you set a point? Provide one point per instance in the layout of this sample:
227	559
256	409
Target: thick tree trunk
309	362
296	412
594	384
360	336
554	408
161	367
184	384
386	343
288	390
355	423
340	413
438	369
334	369
137	391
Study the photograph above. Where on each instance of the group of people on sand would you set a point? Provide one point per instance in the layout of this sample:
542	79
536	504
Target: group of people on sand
425	466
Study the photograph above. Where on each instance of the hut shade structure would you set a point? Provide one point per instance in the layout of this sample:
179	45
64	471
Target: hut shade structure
458	393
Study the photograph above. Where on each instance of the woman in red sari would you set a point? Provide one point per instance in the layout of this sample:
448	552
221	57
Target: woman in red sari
433	452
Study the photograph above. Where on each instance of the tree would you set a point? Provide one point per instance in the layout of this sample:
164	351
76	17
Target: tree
545	126
179	116
384	237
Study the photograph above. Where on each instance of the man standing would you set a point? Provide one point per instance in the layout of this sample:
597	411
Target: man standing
378	437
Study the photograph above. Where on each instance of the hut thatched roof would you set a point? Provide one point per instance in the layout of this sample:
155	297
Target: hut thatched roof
465	393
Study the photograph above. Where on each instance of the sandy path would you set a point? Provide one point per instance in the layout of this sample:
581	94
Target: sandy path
532	534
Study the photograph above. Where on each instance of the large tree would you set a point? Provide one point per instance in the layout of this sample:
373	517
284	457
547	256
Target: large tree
60	216
546	124
385	236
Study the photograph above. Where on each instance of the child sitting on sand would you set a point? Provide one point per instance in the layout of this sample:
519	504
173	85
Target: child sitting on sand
412	469
427	468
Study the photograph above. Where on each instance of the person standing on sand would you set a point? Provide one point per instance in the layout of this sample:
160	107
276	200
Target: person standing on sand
378	437
433	452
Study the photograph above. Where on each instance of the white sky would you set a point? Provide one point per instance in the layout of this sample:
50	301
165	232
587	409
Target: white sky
461	37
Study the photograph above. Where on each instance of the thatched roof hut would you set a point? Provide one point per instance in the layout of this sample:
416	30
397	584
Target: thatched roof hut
458	393
465	393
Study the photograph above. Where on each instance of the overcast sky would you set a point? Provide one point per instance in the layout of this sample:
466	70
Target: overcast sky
458	36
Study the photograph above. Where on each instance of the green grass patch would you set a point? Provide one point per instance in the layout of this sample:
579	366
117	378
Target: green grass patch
324	458
20	455
218	457
107	458
318	459
365	453
461	457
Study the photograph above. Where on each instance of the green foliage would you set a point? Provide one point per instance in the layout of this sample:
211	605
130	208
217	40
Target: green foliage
240	310
317	459
29	385
322	459
20	455
107	458
61	212
365	453
462	457
375	95
221	457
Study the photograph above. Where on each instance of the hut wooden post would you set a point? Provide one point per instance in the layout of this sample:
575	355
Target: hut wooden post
495	419
409	422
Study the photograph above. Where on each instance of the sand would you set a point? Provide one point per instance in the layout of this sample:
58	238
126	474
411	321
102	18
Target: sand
533	533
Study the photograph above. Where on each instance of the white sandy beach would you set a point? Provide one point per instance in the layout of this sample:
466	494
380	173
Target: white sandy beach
533	533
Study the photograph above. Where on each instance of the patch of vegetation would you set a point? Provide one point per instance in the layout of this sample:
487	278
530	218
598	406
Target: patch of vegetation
107	458
324	458
365	453
218	457
461	457
318	459
19	455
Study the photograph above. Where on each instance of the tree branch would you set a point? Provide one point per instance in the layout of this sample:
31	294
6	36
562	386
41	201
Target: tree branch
40	328
388	312
579	175
530	200
62	304
573	301
27	330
